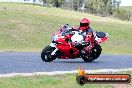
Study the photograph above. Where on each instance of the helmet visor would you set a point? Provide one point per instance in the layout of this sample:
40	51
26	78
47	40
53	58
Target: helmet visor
84	24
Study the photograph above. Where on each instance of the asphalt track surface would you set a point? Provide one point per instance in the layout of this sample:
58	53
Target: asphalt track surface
30	62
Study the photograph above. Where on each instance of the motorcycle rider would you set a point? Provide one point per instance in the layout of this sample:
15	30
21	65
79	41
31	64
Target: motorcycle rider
87	33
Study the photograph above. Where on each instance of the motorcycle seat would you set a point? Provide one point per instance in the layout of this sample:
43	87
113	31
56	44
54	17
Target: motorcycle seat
100	34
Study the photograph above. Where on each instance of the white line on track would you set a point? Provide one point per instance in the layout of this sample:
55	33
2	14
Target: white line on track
63	72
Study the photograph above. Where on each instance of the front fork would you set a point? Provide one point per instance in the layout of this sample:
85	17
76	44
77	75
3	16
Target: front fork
55	50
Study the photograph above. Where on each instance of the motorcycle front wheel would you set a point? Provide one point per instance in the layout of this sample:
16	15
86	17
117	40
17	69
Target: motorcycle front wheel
46	54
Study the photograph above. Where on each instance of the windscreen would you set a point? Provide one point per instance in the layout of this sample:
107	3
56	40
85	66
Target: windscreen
66	30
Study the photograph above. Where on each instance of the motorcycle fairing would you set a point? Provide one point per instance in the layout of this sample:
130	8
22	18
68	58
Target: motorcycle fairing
100	36
65	47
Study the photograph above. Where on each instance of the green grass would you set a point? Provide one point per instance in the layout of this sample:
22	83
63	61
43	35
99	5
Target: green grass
25	27
45	82
57	81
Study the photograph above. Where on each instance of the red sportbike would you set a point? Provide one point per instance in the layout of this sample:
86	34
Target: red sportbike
62	47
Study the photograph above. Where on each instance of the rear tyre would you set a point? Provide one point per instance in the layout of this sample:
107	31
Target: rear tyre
46	54
96	51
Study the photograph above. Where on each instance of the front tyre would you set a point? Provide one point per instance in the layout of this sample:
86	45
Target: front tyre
46	54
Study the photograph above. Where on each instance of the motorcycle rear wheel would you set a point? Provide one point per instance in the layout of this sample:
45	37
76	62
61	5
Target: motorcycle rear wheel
46	54
96	51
